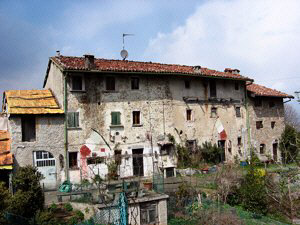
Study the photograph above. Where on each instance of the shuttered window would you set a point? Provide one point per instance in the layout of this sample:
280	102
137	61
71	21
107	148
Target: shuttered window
73	119
115	118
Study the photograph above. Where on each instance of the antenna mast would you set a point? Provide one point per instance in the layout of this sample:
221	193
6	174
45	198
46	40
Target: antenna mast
124	53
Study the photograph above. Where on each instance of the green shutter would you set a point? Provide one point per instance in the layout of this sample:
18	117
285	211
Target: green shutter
73	119
115	118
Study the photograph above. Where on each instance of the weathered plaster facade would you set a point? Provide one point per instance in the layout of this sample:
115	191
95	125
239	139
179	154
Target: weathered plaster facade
269	134
49	137
163	102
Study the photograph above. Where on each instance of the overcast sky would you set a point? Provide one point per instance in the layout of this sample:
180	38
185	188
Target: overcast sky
261	38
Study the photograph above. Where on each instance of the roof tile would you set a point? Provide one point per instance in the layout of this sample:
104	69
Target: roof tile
260	90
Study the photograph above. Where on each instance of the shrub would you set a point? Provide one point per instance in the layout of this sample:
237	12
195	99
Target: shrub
29	196
45	218
288	144
68	207
77	218
211	153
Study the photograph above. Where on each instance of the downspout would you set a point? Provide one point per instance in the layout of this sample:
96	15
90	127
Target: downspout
248	120
66	127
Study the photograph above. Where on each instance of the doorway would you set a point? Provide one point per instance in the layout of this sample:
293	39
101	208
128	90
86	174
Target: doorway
45	163
138	162
221	144
275	147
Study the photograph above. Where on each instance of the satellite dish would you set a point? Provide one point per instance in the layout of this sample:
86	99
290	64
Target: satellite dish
124	54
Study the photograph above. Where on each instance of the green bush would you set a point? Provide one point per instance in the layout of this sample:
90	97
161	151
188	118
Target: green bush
45	218
77	218
29	196
211	153
289	145
68	207
4	201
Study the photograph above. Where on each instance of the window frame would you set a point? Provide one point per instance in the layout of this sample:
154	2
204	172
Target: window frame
76	120
236	86
238	113
72	165
135	86
259	124
118	118
273	123
262	148
82	83
108	85
212	88
187	84
189	115
213	112
47	159
25	124
146	208
139	118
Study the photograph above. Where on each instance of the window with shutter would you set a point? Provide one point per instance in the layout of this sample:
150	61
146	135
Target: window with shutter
73	119
115	118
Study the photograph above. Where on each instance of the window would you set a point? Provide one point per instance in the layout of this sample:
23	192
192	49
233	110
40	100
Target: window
73	160
187	84
118	157
166	149
28	128
272	124
213	88
77	83
239	140
213	113
110	84
136	119
73	119
238	111
191	145
43	159
95	160
236	86
271	104
148	213
259	124
170	172
258	102
135	83
188	114
115	118
262	148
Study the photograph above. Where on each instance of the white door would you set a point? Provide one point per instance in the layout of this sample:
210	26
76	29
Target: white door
45	163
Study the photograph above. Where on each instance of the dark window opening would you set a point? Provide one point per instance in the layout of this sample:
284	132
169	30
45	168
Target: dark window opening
95	160
170	172
28	128
271	104
73	119
138	162
238	111
136	119
73	160
236	86
262	148
258	102
188	114
118	157
213	112
272	124
187	84
191	145
115	118
213	88
148	213
259	124
110	84
77	84
135	83
166	149
239	139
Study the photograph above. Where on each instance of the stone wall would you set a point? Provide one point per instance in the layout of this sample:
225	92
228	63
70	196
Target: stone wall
266	135
49	137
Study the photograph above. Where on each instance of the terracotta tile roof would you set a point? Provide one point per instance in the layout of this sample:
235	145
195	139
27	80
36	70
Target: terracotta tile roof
31	102
260	90
6	157
108	65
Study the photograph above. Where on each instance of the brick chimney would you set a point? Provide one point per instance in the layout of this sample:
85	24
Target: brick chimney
89	61
233	71
197	69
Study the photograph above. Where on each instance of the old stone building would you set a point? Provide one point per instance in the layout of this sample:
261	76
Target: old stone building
266	113
126	109
35	124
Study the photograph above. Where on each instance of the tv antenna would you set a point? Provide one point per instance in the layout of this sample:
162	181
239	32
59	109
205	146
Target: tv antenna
124	53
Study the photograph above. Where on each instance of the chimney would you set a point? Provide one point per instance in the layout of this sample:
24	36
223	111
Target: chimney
197	69
89	61
58	53
233	71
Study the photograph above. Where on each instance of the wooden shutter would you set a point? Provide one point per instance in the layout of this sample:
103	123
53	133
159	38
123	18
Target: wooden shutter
115	118
73	119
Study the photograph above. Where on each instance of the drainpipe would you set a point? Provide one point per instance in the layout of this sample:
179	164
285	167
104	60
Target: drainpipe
248	119
66	127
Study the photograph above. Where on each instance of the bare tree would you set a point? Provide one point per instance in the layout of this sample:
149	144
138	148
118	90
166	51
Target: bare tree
291	117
